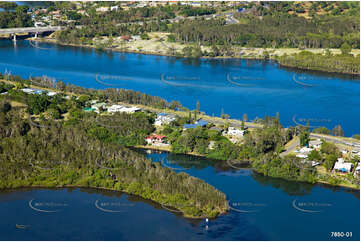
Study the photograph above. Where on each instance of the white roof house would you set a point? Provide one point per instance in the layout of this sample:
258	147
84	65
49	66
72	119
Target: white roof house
235	132
114	108
31	91
164	118
303	156
130	109
114	8
316	143
50	94
102	9
305	150
119	108
342	166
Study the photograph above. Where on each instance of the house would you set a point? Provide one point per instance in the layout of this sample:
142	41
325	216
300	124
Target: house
164	118
102	9
155	139
302	156
32	91
130	109
97	106
305	150
51	94
114	8
315	144
235	132
342	166
114	108
119	108
199	123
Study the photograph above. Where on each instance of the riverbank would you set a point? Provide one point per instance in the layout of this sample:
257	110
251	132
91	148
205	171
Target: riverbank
47	178
179	208
156	46
214	120
164	149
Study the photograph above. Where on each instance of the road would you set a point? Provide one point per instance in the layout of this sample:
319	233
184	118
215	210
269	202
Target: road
335	140
291	148
30	30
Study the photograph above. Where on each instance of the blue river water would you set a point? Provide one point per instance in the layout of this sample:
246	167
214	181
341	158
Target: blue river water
255	88
264	209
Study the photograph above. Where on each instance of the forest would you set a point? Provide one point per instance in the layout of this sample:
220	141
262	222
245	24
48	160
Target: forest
14	16
342	63
75	153
260	148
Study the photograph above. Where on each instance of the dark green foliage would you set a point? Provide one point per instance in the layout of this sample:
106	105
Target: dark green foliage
335	63
61	155
321	130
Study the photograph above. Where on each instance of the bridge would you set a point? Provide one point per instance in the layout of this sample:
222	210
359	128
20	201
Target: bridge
35	30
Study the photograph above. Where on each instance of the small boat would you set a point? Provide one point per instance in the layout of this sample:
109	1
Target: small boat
20	226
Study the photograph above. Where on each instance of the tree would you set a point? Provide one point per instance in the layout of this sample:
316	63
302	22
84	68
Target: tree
338	131
144	36
356	136
345	48
304	138
314	156
329	148
198	106
330	161
321	130
54	113
245	117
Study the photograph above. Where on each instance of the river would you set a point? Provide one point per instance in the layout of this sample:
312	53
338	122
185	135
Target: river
263	209
232	86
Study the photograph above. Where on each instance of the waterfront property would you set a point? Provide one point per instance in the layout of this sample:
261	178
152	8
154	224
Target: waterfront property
119	108
37	91
235	132
315	144
156	139
199	123
164	118
342	166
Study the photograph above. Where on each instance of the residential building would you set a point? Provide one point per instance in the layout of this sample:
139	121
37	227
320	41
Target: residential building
199	123
156	139
32	91
235	132
119	108
51	94
305	150
102	9
342	166
114	108
315	144
164	118
114	8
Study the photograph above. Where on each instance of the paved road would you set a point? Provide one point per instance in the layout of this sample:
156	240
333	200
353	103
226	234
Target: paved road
234	123
30	30
335	140
291	148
